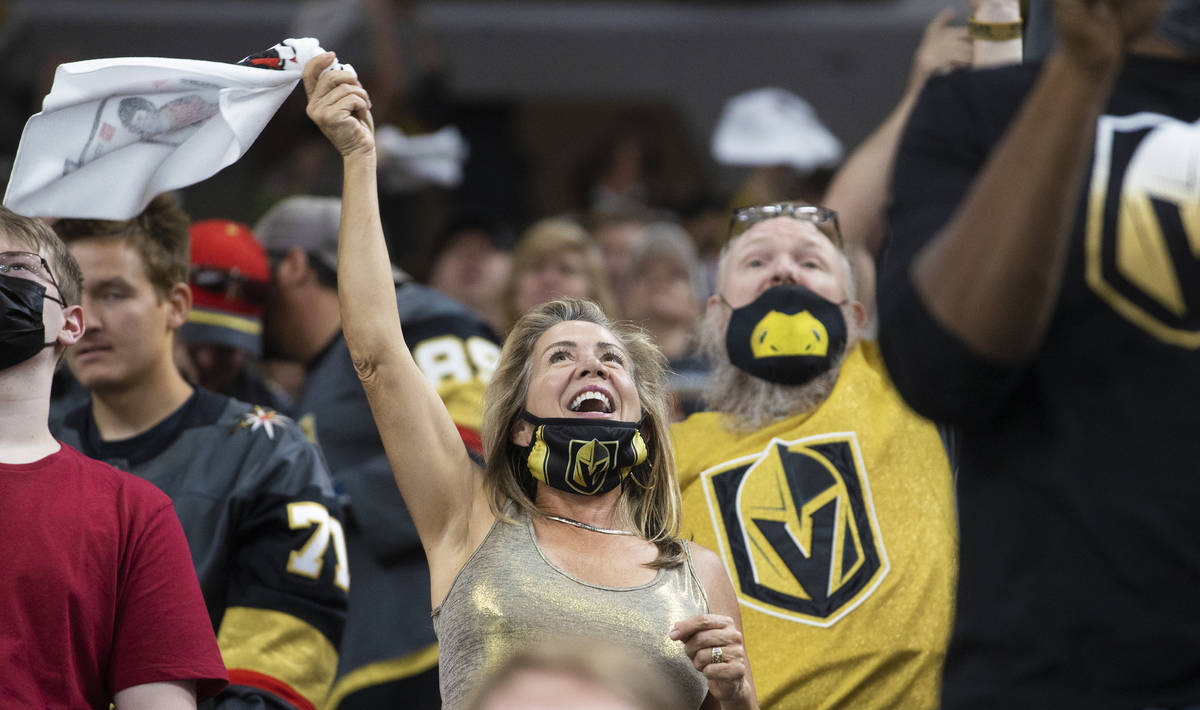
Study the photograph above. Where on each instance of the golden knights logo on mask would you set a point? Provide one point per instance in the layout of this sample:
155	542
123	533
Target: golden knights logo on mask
581	455
1143	224
591	460
797	528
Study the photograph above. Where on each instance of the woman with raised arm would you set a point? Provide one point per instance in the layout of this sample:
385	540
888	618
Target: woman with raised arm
570	529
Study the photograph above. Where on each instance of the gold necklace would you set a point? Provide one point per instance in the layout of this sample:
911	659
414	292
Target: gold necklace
585	526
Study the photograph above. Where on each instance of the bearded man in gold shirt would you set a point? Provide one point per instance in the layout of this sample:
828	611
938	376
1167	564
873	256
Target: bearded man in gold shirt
829	501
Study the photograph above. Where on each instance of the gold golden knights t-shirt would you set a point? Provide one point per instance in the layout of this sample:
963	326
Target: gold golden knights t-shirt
837	529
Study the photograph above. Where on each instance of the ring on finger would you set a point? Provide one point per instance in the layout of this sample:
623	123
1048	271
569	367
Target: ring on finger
718	654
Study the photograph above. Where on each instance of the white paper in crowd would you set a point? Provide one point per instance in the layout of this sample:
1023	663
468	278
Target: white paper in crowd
409	162
773	126
113	133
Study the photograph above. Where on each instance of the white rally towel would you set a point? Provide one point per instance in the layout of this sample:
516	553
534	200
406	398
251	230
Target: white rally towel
113	133
410	162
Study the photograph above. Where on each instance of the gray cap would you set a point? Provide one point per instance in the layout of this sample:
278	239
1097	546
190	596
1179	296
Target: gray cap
308	222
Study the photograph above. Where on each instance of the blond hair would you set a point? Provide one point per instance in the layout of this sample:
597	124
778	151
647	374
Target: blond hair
650	501
547	238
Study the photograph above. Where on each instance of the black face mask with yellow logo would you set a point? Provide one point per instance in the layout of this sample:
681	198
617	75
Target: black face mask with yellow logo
585	456
788	335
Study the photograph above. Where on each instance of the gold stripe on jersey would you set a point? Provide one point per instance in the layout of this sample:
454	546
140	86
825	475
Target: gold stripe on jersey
464	402
281	646
837	528
381	672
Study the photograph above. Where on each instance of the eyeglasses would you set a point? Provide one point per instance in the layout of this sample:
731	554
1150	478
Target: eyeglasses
823	218
233	285
29	266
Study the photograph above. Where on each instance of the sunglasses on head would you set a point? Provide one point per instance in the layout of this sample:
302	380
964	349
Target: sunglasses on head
823	218
231	284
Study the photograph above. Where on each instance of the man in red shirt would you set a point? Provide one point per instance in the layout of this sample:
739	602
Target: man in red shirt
99	602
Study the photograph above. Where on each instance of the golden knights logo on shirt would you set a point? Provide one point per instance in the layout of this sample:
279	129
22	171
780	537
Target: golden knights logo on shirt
797	528
1143	224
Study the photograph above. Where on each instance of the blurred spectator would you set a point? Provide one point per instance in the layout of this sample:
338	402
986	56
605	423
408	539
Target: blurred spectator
574	674
471	264
622	174
222	340
777	135
388	652
663	295
706	218
618	233
663	289
254	496
1039	295
554	257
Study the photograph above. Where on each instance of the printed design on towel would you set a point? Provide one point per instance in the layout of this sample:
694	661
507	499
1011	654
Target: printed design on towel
167	118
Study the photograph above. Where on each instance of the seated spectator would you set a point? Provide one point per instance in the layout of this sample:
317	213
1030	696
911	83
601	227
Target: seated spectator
98	601
618	234
222	339
471	263
554	257
253	496
663	295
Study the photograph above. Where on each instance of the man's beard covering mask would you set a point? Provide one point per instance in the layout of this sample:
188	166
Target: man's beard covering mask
580	455
1180	24
22	333
751	402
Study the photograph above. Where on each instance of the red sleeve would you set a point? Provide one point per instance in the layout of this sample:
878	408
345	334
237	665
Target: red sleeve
163	631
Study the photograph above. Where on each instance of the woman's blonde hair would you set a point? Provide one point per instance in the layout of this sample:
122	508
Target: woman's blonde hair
650	501
547	238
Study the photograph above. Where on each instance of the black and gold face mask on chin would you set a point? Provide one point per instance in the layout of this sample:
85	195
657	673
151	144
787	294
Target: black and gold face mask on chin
580	455
788	335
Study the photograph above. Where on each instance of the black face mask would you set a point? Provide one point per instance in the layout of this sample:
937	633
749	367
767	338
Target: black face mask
585	456
21	329
788	335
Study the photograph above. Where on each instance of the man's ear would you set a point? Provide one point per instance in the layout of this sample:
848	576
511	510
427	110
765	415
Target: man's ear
714	301
522	433
72	327
179	305
858	314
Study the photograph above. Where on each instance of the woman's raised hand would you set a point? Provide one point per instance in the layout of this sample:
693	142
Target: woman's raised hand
340	107
715	645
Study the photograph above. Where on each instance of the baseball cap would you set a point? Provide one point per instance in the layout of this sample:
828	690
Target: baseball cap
308	222
229	277
773	126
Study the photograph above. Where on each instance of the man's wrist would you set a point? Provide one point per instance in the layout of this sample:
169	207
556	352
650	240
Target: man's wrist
997	11
993	31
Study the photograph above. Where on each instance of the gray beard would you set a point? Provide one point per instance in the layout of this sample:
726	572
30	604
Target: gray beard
750	403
